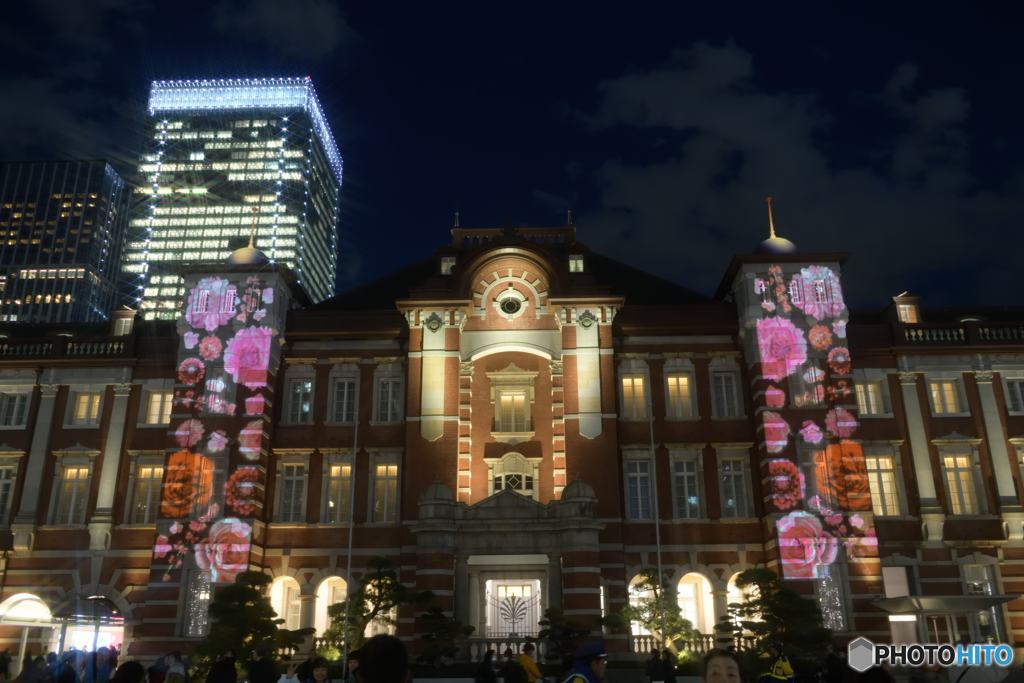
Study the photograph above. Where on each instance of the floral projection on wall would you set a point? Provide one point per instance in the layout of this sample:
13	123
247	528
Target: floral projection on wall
817	476
224	362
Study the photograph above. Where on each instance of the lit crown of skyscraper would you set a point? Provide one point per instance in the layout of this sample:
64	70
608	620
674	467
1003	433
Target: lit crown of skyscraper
247	93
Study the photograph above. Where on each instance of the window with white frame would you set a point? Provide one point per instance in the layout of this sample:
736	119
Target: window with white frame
980	579
872	398
1015	394
299	400
807	388
13	409
291	496
158	406
123	326
71	494
512	410
725	394
384	504
908	314
344	383
961	484
514	473
145	492
337	491
8	476
84	408
882	480
387	391
638	486
945	397
679	394
734	487
576	263
447	265
634	397
688	484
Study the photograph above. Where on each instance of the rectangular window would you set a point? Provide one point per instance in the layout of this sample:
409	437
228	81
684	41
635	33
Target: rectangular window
389	399
734	491
85	408
197	613
960	483
725	392
871	398
576	263
13	410
688	489
980	580
679	390
336	494
344	407
7	475
945	396
72	493
1015	395
158	407
447	265
638	488
292	501
146	494
885	500
634	400
907	313
123	326
512	412
385	493
300	401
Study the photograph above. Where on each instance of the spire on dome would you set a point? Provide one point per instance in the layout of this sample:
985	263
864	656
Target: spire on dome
774	244
249	255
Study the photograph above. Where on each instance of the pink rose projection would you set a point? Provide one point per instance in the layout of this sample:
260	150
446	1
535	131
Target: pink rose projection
839	360
821	296
782	346
210	348
189	433
225	552
776	431
251	439
841	422
217	442
240	490
774	397
787	482
211	303
820	337
804	545
191	371
811	433
247	356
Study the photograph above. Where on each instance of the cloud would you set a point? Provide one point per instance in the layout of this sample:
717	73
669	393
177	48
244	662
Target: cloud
309	29
904	203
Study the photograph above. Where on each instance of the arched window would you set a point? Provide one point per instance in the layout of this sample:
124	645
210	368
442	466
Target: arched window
284	598
696	602
514	473
736	595
331	591
637	595
24	607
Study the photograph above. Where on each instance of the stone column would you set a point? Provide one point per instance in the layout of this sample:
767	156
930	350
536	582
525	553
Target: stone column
932	517
102	518
554	580
461	598
25	520
996	439
307	610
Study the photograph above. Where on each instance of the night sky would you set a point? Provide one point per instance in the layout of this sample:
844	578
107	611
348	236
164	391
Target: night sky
893	133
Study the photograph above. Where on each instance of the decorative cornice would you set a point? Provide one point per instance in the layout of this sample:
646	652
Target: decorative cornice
908	378
123	389
984	376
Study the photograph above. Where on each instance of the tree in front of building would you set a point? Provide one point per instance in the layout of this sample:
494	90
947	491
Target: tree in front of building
654	606
375	602
773	613
241	619
443	637
563	634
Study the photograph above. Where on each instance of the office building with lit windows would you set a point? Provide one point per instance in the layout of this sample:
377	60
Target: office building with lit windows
62	226
224	158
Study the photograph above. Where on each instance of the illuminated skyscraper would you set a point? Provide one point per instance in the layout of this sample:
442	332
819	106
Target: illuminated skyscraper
220	154
62	224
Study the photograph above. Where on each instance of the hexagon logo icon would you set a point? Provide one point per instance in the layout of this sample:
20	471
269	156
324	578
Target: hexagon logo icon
860	654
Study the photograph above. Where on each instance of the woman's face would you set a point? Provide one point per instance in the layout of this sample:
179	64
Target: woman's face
320	673
722	670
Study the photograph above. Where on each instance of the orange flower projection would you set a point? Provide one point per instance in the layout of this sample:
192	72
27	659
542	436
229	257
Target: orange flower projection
188	484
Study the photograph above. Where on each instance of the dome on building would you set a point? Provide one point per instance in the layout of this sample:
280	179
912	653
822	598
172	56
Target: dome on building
437	491
577	489
247	256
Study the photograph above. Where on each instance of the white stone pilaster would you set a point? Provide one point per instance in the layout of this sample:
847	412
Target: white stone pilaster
102	518
25	521
996	439
432	378
588	372
918	443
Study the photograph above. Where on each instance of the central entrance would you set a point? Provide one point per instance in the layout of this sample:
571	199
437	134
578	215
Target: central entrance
513	607
508	594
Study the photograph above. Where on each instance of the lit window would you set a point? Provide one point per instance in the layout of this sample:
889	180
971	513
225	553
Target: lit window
638	488
979	579
734	490
146	494
7	475
511	411
158	407
725	392
343	394
960	484
687	480
336	493
13	409
71	494
1015	395
513	473
385	493
300	401
885	500
679	389
576	263
945	396
447	265
871	398
291	506
907	313
634	399
85	408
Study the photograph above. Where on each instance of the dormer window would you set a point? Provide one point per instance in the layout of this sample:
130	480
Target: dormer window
447	265
512	398
576	263
908	314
